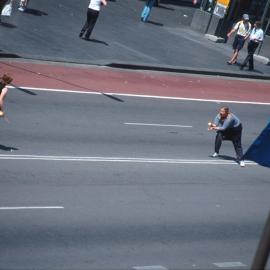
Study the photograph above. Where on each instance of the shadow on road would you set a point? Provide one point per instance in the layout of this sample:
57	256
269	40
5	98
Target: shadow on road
113	97
8	25
155	23
167	8
97	41
224	157
8	148
25	91
35	12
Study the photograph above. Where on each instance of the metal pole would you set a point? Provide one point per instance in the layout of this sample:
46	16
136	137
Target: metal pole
211	15
260	259
265	12
261	43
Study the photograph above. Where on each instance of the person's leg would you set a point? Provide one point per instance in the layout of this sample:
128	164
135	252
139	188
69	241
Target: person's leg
145	12
252	49
235	50
237	143
235	56
87	23
247	59
92	21
23	4
218	142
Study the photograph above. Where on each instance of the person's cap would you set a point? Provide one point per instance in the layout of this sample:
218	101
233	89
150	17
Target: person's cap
245	17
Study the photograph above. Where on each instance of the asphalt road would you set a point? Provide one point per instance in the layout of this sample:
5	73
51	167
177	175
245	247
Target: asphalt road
121	213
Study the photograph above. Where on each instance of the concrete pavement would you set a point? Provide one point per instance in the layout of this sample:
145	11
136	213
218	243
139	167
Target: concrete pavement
118	214
49	31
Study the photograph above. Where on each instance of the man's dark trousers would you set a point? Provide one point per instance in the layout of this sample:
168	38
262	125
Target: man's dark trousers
92	16
231	134
252	46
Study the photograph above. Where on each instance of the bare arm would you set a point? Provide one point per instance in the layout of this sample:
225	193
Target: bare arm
104	2
233	29
2	97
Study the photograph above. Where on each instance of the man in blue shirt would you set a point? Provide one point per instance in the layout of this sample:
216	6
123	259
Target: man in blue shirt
228	127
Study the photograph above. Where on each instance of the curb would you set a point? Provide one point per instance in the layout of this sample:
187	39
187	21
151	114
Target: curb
262	59
161	68
189	71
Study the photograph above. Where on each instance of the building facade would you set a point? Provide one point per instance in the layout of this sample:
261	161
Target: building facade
216	17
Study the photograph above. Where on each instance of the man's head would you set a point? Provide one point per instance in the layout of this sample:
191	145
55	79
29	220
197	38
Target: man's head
246	17
258	24
224	111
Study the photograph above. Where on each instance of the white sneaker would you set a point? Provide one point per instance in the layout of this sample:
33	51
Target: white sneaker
242	163
215	155
21	9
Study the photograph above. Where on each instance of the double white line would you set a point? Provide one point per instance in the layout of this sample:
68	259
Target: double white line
122	159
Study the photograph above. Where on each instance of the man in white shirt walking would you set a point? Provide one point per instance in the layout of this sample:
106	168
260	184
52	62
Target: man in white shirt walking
255	38
92	16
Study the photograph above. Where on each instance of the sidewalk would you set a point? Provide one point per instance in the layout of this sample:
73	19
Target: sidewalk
119	39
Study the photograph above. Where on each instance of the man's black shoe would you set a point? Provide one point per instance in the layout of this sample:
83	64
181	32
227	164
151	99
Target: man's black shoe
241	67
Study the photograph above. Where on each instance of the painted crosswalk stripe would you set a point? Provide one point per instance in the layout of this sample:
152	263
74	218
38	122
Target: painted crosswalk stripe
151	267
157	125
30	207
229	264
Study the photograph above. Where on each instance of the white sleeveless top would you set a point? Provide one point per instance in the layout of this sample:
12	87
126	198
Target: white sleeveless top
95	5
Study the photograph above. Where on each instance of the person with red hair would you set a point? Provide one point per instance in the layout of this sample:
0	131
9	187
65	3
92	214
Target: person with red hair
4	82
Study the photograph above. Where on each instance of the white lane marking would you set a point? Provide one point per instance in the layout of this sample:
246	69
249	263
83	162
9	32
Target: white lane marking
229	264
150	267
156	125
123	159
142	96
30	207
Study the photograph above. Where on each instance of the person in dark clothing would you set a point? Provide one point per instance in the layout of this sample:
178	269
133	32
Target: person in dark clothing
255	38
228	127
92	16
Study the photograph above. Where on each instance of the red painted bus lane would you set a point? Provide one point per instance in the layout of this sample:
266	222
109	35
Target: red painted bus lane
103	79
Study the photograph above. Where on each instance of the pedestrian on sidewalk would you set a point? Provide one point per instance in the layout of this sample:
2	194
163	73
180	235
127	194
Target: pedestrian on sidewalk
3	3
92	16
23	5
228	127
5	80
147	10
242	29
255	38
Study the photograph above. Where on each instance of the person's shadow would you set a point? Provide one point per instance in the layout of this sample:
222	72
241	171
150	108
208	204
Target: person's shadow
167	8
155	23
35	12
97	41
8	148
7	25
